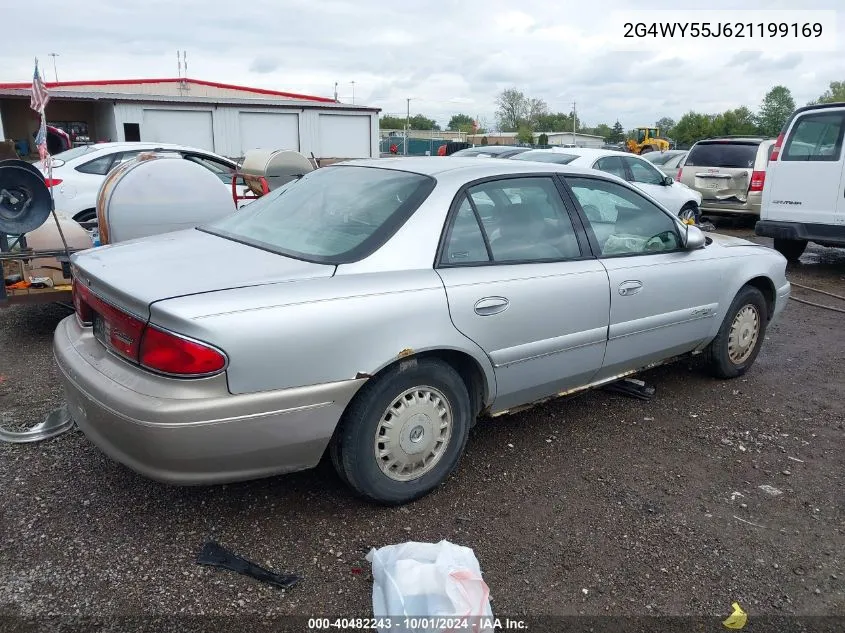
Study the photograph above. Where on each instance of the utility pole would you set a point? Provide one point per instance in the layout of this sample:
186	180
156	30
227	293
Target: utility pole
353	92
335	91
574	117
55	72
407	123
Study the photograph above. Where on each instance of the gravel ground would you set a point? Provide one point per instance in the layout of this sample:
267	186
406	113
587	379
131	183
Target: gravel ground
597	505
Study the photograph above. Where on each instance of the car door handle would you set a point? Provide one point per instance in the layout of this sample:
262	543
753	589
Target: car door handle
491	305
627	288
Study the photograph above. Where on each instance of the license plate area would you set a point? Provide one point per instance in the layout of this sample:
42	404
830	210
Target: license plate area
101	330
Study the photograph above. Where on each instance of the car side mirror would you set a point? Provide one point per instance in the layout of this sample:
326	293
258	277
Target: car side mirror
694	238
668	181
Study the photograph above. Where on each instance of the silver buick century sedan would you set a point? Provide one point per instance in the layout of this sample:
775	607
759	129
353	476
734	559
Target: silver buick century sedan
372	310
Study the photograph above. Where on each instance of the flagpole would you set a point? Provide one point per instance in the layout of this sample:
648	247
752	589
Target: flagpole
47	160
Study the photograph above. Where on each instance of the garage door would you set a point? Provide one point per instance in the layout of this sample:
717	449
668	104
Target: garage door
268	130
345	136
183	127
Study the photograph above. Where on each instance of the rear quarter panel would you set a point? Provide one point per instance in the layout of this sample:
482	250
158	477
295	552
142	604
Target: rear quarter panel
303	333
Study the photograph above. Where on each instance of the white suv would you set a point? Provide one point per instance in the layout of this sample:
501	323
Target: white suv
804	193
79	172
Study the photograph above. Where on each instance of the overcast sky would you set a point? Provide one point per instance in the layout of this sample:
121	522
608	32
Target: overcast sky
450	56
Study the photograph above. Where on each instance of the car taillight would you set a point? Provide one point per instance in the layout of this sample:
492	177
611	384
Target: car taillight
141	343
83	311
679	174
777	147
52	182
757	180
171	354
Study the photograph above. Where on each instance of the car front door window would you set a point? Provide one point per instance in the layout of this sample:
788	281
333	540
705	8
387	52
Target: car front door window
623	221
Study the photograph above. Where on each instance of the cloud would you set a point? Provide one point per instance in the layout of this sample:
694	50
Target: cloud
450	57
263	65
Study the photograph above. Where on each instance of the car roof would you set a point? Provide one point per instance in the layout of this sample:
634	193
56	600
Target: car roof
129	145
468	167
591	152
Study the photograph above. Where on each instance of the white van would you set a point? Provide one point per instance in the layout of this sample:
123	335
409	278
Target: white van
804	192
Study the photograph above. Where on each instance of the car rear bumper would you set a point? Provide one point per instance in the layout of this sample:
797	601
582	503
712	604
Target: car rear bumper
821	233
709	207
192	432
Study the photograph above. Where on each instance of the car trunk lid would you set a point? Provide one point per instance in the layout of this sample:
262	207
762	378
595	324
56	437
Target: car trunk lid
132	275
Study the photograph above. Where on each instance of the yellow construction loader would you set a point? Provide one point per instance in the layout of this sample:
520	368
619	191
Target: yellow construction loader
648	140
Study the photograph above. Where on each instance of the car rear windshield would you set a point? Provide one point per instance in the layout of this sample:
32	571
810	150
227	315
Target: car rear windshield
546	157
333	215
723	154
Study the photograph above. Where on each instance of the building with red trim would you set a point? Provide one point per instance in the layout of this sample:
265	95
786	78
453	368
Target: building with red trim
223	118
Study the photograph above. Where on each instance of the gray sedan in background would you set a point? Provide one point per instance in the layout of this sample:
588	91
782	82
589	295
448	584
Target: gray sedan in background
374	309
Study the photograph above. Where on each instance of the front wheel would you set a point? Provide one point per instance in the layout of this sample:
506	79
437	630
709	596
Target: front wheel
689	212
404	433
791	249
735	348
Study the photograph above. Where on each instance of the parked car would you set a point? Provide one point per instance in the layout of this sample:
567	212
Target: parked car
729	172
546	156
667	162
678	198
491	151
364	310
803	200
79	172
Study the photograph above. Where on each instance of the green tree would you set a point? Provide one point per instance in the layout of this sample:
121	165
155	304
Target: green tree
665	124
421	122
525	135
603	130
461	123
556	122
388	122
512	110
777	105
484	140
692	127
536	109
617	133
836	92
543	139
734	122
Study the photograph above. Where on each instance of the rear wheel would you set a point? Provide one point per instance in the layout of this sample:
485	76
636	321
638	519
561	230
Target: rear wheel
791	249
735	348
404	433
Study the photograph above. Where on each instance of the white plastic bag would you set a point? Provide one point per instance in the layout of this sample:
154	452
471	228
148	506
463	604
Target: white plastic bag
422	586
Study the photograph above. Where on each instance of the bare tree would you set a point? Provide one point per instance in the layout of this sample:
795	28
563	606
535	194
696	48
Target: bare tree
536	109
513	109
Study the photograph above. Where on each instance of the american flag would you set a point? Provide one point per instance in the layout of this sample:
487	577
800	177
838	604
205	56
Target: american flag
38	102
40	96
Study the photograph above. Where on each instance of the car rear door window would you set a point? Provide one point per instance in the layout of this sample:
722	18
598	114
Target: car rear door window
526	222
612	165
98	167
731	155
641	171
815	137
623	221
465	242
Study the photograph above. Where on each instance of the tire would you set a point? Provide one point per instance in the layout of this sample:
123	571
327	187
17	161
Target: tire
354	446
690	209
722	363
85	216
791	249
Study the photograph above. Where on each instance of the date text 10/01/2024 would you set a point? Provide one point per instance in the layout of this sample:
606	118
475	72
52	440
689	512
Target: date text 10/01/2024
723	29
